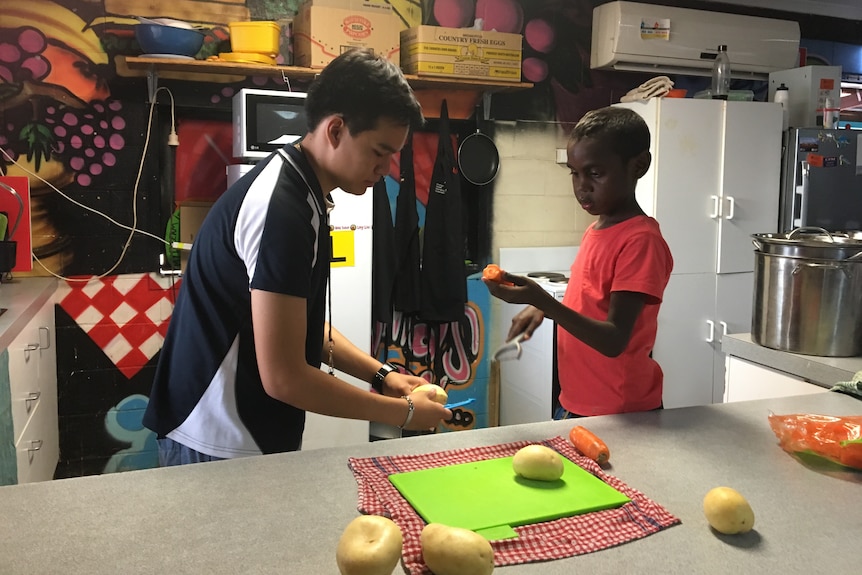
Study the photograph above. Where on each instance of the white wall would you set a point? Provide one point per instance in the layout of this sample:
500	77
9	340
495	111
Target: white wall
533	201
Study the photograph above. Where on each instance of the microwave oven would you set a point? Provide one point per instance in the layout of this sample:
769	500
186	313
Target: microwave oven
265	121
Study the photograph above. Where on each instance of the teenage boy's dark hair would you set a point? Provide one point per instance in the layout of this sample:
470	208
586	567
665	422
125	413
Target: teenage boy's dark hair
362	87
623	130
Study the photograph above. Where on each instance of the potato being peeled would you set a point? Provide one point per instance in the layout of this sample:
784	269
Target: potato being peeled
538	462
456	551
727	511
369	545
442	397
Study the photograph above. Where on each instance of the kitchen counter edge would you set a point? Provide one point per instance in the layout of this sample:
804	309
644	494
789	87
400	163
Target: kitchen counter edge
822	371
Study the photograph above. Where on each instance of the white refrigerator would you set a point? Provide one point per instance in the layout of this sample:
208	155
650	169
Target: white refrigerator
714	181
351	223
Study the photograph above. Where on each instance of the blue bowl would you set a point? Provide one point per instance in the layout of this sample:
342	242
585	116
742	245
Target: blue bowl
159	39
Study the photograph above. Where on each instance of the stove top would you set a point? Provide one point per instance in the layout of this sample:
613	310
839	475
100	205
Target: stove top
546	276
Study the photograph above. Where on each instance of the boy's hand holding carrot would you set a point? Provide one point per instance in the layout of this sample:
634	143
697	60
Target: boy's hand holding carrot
494	273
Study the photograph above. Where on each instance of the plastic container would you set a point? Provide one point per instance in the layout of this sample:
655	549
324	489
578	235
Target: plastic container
782	96
721	73
161	39
258	37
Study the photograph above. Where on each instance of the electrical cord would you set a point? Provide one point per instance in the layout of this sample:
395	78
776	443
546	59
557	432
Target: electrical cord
173	140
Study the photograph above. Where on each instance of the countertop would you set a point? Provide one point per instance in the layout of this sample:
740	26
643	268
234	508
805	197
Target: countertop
22	298
823	371
285	513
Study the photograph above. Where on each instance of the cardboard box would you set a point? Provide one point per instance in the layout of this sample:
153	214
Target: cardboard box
461	53
323	29
192	214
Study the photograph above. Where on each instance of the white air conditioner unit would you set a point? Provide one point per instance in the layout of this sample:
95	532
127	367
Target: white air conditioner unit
662	39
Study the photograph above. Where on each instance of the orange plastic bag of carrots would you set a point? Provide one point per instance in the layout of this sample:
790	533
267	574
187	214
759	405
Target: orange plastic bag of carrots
836	438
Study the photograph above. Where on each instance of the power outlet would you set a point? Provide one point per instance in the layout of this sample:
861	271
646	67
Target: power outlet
562	156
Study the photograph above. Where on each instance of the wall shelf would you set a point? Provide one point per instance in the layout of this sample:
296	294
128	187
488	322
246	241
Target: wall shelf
215	70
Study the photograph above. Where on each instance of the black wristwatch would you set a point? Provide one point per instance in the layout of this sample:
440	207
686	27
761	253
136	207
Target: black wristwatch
385	369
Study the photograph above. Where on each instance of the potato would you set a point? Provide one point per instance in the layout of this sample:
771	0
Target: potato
538	462
442	397
456	551
369	545
727	511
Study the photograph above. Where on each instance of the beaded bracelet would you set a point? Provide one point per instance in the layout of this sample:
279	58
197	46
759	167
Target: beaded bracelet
409	412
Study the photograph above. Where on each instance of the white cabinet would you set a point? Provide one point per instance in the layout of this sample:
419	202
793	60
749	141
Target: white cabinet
33	397
714	181
747	380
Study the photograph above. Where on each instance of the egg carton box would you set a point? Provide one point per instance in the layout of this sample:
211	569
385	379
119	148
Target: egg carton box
461	53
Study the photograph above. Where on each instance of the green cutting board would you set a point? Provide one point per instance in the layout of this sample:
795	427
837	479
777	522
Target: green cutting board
489	498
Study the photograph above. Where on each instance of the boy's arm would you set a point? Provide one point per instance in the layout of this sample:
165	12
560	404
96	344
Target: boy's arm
609	337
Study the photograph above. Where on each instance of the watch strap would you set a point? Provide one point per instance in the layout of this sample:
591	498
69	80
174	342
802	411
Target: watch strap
385	369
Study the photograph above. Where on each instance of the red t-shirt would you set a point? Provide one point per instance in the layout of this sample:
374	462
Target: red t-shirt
629	256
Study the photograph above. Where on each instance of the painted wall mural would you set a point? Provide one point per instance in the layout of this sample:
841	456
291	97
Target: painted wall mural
453	355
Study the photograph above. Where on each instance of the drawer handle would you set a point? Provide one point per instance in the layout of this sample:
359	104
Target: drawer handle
35	445
47	332
31	397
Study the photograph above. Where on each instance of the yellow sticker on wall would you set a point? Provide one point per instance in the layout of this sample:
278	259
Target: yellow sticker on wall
343	252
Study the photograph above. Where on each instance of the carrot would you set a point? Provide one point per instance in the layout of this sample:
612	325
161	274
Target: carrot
492	272
589	444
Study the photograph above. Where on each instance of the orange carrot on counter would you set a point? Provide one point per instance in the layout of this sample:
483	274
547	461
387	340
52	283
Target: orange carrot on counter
589	444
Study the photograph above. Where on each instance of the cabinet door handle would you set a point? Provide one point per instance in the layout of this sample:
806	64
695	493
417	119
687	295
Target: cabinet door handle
711	337
731	207
31	347
716	207
723	325
35	445
47	332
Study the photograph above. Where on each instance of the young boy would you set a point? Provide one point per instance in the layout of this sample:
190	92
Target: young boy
606	323
241	360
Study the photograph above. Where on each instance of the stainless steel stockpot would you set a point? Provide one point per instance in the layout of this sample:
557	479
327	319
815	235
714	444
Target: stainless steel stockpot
808	293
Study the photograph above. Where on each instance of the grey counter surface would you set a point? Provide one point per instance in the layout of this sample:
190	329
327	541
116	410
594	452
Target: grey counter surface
22	298
285	513
824	371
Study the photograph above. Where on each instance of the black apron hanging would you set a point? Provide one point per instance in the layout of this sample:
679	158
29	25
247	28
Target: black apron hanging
382	255
406	293
444	278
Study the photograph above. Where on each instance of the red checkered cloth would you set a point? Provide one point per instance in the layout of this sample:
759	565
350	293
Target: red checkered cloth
555	539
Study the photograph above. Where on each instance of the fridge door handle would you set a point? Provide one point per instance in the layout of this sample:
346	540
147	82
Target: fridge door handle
731	208
716	207
711	325
803	194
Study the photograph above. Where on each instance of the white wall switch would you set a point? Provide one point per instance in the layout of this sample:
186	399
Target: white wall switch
562	156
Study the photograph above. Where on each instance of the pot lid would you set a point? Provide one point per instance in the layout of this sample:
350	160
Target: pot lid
813	237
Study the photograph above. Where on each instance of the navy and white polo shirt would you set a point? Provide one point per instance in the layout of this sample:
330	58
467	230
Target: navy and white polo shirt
270	232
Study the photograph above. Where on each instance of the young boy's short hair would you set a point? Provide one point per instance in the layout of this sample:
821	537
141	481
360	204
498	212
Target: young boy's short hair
362	87
623	130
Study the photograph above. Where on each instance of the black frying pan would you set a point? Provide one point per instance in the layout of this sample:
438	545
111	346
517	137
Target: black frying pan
478	158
